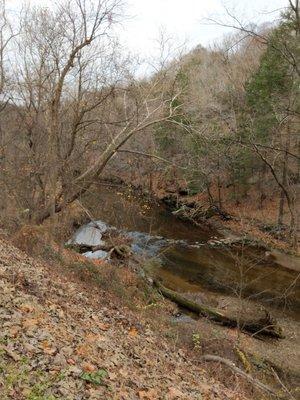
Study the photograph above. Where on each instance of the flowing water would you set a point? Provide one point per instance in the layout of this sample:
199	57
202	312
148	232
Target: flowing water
187	262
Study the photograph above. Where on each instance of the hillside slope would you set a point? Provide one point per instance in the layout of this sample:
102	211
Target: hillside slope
58	342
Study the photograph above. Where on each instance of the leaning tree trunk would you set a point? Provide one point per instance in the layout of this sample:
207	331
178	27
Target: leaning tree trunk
83	182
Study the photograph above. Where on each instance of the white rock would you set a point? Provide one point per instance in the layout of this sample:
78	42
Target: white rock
87	235
99	254
90	234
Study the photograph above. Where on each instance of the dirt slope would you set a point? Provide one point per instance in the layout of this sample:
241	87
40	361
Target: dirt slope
54	339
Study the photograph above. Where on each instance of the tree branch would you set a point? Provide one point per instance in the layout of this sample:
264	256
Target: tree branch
237	370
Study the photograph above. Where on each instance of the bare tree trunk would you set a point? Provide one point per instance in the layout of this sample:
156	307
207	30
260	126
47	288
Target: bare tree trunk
83	182
219	186
261	185
219	192
284	174
282	197
210	197
289	198
298	163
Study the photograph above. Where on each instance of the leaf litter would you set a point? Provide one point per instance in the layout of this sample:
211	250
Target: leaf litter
61	344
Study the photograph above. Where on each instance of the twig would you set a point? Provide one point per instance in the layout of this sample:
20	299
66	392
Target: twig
239	371
282	384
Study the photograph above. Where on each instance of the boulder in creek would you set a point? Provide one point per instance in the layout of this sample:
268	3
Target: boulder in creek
89	235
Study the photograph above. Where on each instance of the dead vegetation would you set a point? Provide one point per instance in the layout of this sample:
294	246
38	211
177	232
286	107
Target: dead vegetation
61	340
120	287
85	329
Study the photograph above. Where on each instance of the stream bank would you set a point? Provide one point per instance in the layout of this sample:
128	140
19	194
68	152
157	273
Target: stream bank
194	260
198	257
151	225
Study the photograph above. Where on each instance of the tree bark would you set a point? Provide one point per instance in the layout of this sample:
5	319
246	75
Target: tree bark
289	199
284	175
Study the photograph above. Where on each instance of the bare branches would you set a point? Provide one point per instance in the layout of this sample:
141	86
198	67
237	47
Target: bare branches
233	367
295	7
76	100
257	33
6	36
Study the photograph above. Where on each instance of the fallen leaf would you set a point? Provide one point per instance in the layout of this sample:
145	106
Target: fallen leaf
14	331
133	332
103	327
30	322
81	350
91	338
112	376
26	307
148	394
87	367
47	348
174	394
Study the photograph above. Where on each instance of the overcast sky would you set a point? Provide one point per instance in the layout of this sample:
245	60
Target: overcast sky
182	19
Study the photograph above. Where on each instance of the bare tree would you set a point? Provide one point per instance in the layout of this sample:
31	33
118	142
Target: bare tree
6	35
76	102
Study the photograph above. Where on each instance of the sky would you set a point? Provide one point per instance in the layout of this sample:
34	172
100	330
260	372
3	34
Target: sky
182	20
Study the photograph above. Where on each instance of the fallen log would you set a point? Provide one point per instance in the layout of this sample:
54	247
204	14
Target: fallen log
265	326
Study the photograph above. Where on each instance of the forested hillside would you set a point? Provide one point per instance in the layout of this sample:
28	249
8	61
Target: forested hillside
219	123
234	140
149	210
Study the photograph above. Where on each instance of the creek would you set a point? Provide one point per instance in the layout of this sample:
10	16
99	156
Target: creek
187	259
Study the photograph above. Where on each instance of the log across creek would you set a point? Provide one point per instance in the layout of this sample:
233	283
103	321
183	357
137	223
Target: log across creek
265	326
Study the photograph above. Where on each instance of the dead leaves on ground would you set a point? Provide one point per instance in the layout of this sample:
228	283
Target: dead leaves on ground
153	394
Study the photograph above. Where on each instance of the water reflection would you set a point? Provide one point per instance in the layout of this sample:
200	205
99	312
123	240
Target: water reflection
190	268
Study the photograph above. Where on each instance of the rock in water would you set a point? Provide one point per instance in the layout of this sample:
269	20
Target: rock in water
90	234
99	254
